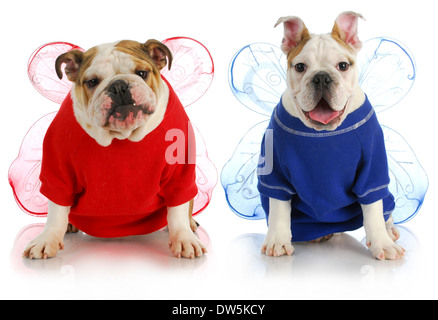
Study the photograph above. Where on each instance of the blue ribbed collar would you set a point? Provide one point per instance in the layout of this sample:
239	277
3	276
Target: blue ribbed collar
295	126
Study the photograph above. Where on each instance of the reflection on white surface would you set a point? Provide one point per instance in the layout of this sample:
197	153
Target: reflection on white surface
91	257
142	267
344	256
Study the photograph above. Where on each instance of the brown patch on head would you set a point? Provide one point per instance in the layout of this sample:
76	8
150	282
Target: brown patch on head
76	62
153	51
84	95
141	59
144	60
134	49
305	37
88	58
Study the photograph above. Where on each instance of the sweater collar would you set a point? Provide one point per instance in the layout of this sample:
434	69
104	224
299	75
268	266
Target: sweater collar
295	126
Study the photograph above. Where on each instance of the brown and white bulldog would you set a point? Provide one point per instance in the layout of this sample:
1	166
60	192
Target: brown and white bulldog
322	91
118	94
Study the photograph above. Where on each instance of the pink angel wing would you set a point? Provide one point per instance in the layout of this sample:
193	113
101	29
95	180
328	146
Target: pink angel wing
25	170
206	175
192	69
42	73
191	75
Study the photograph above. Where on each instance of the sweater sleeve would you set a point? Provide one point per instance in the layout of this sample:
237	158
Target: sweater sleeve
58	177
272	180
373	178
178	183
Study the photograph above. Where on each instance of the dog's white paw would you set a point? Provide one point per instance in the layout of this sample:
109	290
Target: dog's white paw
278	243
385	248
43	246
185	243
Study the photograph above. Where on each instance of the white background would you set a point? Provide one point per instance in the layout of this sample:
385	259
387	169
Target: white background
141	267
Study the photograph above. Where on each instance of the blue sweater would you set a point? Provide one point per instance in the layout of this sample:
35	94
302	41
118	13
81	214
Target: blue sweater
325	174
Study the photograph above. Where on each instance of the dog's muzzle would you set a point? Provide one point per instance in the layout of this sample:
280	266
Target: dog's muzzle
125	112
322	112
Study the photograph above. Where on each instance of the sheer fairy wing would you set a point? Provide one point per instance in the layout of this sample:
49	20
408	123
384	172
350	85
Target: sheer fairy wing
257	76
409	181
42	73
386	71
206	175
24	172
192	69
239	175
191	75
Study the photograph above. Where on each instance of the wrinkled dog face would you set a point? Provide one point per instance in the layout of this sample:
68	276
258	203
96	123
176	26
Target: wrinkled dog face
116	85
322	72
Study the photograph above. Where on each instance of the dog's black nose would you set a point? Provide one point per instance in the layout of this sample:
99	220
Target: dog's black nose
120	93
118	87
322	79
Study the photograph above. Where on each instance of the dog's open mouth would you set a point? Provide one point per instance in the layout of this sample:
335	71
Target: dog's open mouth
323	113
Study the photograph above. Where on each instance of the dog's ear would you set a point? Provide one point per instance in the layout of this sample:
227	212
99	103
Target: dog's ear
345	29
295	32
72	60
159	52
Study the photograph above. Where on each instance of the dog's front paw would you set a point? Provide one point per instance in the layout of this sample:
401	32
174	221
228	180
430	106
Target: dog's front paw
278	244
43	246
385	248
185	243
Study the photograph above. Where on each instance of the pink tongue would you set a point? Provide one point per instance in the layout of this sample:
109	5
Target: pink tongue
323	113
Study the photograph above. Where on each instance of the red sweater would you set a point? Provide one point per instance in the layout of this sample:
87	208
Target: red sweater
123	189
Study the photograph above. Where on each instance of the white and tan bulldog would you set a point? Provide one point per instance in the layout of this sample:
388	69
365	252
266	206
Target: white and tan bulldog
119	100
322	91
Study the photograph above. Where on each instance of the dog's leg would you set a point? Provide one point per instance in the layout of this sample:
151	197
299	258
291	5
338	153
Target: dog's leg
378	239
182	241
278	240
193	224
322	239
71	229
51	239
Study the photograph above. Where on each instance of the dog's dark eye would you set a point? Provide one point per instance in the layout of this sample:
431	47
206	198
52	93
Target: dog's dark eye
92	83
142	74
343	66
300	67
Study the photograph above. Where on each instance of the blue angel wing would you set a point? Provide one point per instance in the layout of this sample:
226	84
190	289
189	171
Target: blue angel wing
257	76
386	74
239	175
386	71
409	181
